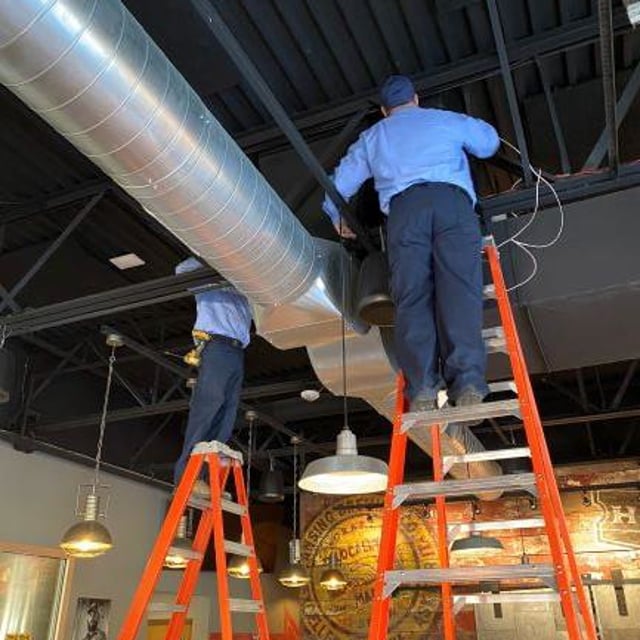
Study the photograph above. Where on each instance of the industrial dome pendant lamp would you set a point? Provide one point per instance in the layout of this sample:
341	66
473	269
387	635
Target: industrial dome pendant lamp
347	472
90	538
294	575
476	543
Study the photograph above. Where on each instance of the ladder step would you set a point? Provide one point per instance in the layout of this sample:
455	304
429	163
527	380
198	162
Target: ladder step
237	548
503	386
456	529
189	554
227	505
239	605
461	575
482	456
233	507
167	607
494	340
446	415
468	486
463	600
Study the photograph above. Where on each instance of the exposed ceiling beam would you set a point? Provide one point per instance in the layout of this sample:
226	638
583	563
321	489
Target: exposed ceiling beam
510	89
455	74
39	205
225	37
109	302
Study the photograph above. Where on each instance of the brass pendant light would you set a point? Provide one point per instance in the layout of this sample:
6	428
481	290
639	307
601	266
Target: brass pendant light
89	537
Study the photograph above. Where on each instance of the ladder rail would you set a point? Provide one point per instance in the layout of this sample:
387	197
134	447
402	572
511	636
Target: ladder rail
247	532
547	486
390	520
448	614
215	472
190	577
151	573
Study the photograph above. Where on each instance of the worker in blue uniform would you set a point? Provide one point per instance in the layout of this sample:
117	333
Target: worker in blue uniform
418	160
221	333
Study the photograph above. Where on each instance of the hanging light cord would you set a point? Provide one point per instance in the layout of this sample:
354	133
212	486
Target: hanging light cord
249	457
103	418
345	404
295	491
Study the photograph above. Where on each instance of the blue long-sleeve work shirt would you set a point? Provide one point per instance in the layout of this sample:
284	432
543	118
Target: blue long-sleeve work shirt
410	146
220	311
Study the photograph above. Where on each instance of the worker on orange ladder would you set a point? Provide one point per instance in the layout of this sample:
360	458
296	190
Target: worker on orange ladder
418	160
221	333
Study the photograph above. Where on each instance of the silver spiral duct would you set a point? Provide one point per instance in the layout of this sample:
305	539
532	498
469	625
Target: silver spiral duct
90	70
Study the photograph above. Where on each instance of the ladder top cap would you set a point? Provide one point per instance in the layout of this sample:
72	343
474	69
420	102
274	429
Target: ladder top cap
218	448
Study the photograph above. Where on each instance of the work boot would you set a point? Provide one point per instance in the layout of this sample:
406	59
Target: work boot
423	402
467	398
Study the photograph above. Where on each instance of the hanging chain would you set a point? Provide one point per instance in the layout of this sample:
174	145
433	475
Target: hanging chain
103	417
295	490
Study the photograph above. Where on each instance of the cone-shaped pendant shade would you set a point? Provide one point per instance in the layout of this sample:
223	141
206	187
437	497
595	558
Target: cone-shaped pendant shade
271	485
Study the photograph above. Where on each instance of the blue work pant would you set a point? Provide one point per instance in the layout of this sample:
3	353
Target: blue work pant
434	246
215	399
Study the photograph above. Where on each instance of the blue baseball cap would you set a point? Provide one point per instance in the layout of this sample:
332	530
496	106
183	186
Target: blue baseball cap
396	90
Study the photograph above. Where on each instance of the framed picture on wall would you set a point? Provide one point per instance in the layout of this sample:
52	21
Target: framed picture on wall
92	619
34	586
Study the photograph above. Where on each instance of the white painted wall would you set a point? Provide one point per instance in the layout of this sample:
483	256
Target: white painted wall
37	497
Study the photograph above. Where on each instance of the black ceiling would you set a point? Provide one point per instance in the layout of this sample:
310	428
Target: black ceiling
323	60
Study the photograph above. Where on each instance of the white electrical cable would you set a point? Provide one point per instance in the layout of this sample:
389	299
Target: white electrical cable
526	246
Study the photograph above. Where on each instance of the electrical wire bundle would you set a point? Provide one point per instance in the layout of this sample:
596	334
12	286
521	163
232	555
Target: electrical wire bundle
523	244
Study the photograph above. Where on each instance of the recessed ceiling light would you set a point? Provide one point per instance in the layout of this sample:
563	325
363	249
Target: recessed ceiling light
127	261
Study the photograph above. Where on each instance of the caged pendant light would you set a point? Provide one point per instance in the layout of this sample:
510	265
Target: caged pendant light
90	538
238	566
294	575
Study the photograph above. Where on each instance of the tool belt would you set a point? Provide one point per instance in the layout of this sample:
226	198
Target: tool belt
200	340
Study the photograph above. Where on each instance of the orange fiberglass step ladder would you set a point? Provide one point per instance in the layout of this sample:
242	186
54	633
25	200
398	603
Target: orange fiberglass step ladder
223	462
560	579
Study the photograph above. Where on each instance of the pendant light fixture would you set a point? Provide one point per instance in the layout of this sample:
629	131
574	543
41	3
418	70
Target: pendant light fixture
181	549
476	543
271	484
347	472
294	575
89	537
332	579
238	566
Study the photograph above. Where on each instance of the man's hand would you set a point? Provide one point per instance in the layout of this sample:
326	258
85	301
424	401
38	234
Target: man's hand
343	230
